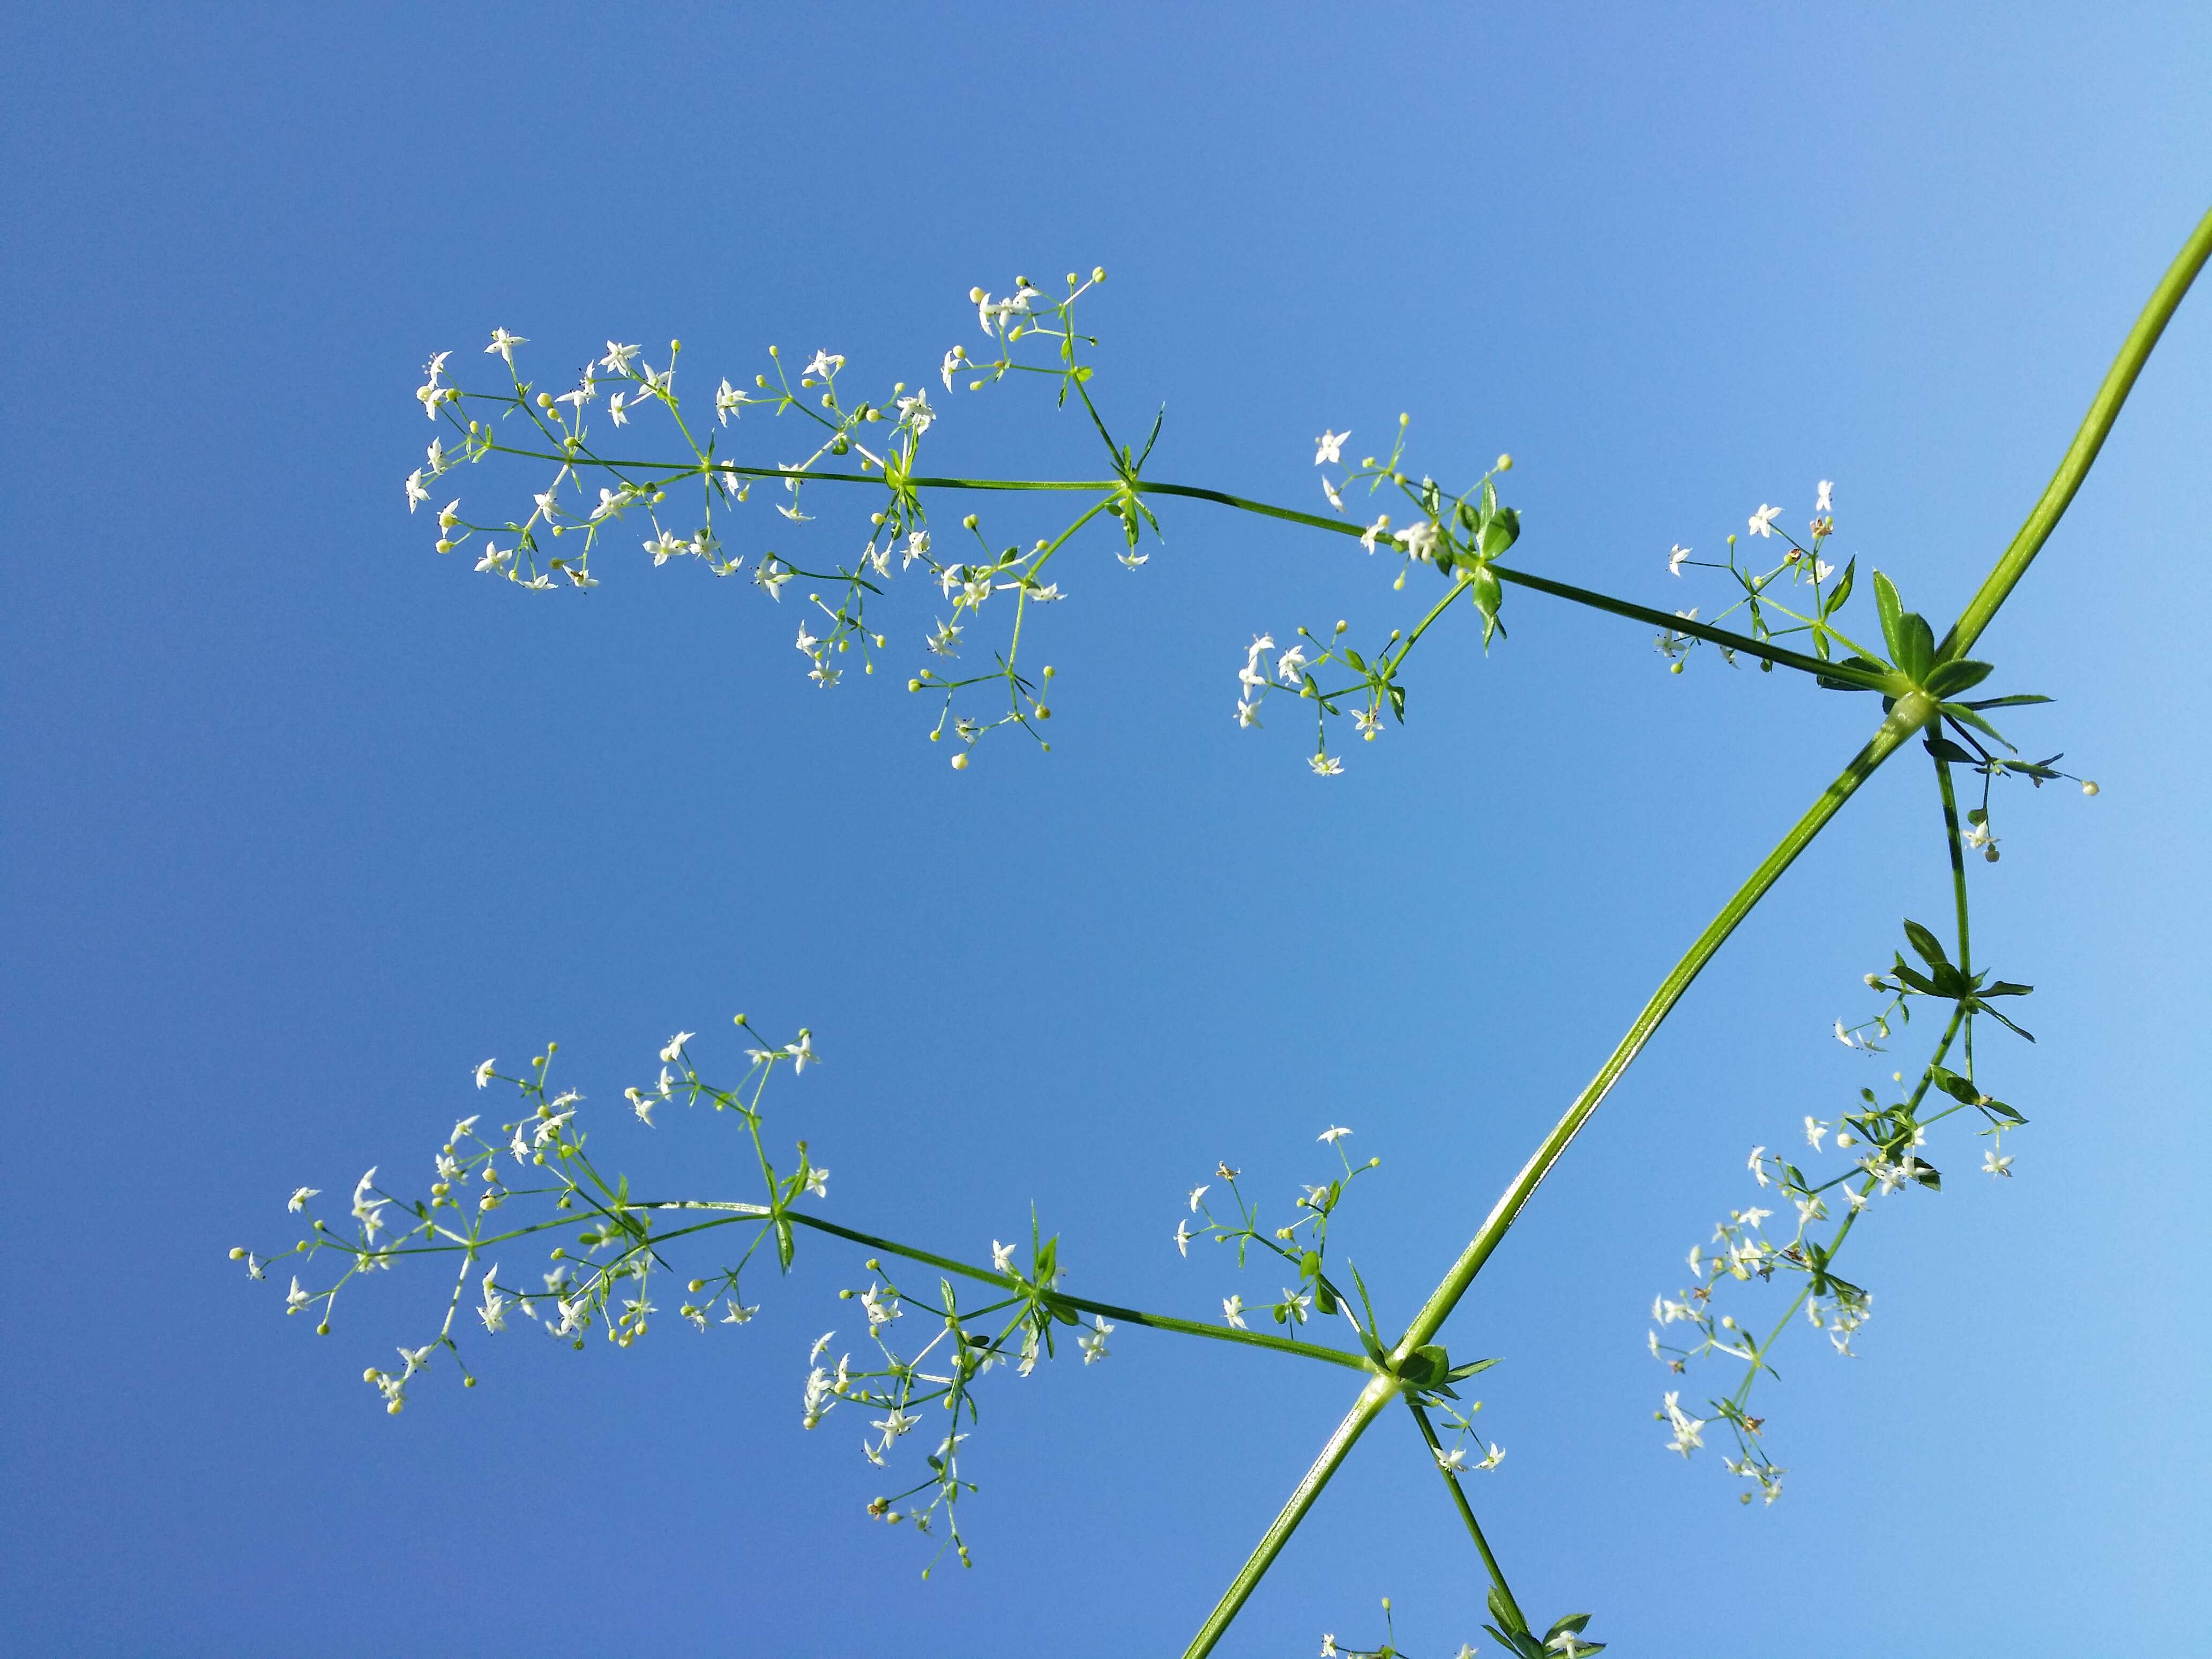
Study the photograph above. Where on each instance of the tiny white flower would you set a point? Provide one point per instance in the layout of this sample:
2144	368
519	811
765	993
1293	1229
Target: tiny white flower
1093	1341
504	343
416	494
369	1211
618	357
296	1299
951	361
1993	1164
484	1073
1675	556
1815	1129
823	365
1329	490
1002	1256
1327	766
615	411
821	1346
818	1182
1248	712
1375	531
1333	1135
495	558
1420	540
1845	1037
298	1200
1289	666
1822	570
1496	1455
1821	502
1329	447
1452	1461
672	1050
1756	1163
1762	522
1182	1239
1232	1309
1197	1194
1295	1303
738	1314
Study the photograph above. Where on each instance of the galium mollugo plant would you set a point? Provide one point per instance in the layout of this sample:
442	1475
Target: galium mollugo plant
616	459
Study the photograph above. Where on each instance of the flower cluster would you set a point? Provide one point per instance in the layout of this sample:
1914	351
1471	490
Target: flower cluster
1881	1144
1800	588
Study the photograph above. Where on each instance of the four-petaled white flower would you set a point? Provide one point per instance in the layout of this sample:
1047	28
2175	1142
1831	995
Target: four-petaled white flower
1002	1256
1290	667
1689	1432
1815	1129
1329	490
1182	1239
1675	556
1374	531
1994	1164
296	1299
1232	1309
824	365
1197	1194
416	494
951	361
1327	766
738	1314
915	412
299	1199
1495	1456
672	1050
618	357
1333	1135
818	1182
1248	712
1848	1039
615	411
1762	522
1452	1461
504	343
494	1311
1821	502
1756	1163
1329	447
1295	1303
1093	1341
1420	539
728	401
484	1073
802	1051
368	1210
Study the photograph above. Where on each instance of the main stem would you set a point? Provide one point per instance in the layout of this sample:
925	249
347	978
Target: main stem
1910	714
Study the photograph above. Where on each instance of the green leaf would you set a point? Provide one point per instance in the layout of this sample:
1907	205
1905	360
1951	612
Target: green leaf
1998	1109
2019	701
784	1246
2005	987
1460	1373
1965	715
1916	647
1889	609
1953	1086
1950	678
1930	947
1574	1621
1325	1299
1928	1177
1944	750
1358	663
1309	1265
1488	595
1840	591
1502	530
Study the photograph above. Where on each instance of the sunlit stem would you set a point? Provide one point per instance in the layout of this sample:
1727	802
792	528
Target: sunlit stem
1518	1620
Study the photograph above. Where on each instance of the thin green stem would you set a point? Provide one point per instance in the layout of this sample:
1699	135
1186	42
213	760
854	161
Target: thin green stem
1518	1620
2103	410
1008	1281
1957	862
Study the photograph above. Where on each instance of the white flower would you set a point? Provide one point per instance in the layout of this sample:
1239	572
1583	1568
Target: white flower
1675	555
494	1311
296	1299
1093	1341
880	1309
802	1051
824	365
416	494
642	1105
1182	1239
484	1073
1762	522
1048	594
1822	570
1452	1461
916	412
1689	1432
1375	531
1821	502
1329	490
1290	666
1327	766
1420	539
1993	1164
615	411
1329	447
1232	1309
1845	1037
818	1182
617	360
1295	1303
951	361
1197	1194
495	558
1756	1163
368	1210
1815	1129
1002	1256
504	343
1248	712
1333	1135
672	1051
1497	1455
898	1423
299	1199
917	547
738	1314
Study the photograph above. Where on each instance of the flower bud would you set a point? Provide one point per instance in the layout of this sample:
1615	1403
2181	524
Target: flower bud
238	1255
2088	786
960	762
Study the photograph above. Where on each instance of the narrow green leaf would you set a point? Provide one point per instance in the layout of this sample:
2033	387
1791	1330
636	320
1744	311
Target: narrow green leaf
1916	647
1841	593
1948	679
1930	947
1888	608
1944	750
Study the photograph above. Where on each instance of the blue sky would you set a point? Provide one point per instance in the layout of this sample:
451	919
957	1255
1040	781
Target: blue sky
302	821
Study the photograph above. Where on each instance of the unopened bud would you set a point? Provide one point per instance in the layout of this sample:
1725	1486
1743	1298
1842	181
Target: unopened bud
2088	786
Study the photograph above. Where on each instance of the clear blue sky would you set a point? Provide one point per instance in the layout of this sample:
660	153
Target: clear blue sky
301	821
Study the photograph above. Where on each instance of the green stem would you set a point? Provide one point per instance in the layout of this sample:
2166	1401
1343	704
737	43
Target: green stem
1008	1281
2103	410
1957	862
1518	1620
